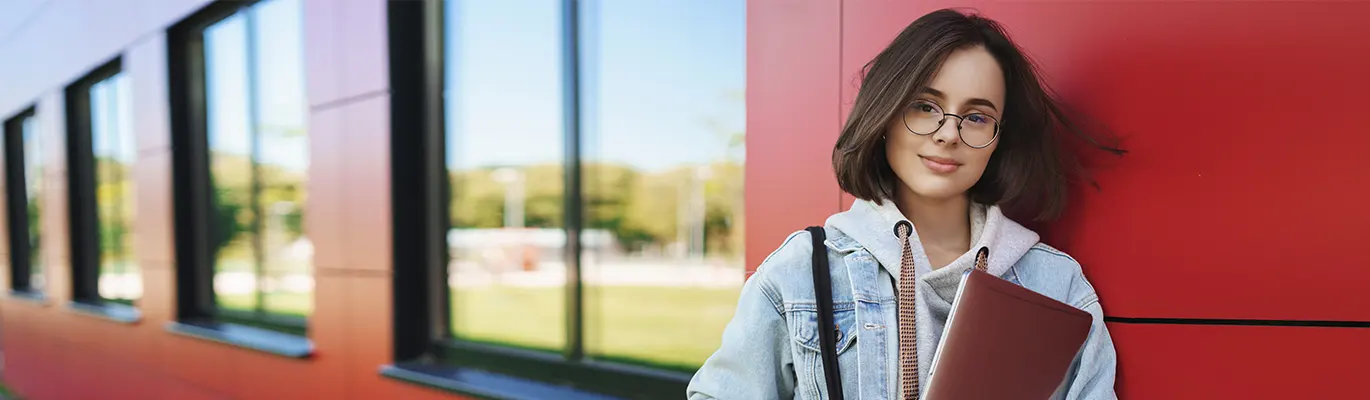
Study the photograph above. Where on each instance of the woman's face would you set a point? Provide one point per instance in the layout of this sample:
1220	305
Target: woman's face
942	163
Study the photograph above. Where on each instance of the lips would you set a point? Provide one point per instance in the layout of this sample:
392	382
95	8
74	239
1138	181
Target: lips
940	164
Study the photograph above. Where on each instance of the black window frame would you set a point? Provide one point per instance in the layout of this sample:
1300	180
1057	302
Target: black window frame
425	352
16	185
197	313
82	216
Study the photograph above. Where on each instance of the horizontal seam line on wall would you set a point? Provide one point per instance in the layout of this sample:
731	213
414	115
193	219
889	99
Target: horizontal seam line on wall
348	100
1238	322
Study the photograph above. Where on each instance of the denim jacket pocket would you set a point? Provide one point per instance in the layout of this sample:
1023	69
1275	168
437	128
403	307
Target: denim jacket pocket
803	320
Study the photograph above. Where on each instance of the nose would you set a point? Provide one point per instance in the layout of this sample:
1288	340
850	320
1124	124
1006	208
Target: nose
949	132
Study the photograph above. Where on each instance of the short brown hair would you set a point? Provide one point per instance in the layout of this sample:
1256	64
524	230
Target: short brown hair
1028	173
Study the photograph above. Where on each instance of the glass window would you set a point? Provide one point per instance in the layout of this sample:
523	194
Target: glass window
663	116
33	195
24	171
24	174
506	159
660	118
111	129
256	115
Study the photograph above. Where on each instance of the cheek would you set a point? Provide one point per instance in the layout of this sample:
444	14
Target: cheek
901	150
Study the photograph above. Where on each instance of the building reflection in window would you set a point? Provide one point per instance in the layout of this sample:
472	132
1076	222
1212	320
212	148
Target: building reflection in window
258	143
112	140
662	116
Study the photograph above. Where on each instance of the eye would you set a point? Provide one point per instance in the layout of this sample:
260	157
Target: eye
979	119
925	107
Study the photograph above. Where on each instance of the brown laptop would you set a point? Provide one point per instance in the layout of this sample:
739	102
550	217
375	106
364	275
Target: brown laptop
1005	342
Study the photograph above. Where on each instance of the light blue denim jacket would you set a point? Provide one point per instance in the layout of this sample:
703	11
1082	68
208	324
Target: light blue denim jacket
770	348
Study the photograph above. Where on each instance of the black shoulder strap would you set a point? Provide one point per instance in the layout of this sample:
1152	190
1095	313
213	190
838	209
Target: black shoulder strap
822	285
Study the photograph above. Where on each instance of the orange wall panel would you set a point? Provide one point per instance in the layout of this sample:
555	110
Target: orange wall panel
326	180
48	346
365	149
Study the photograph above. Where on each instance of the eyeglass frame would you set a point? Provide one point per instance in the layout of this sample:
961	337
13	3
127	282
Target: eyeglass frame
998	125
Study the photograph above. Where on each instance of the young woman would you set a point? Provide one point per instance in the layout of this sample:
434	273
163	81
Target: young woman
951	127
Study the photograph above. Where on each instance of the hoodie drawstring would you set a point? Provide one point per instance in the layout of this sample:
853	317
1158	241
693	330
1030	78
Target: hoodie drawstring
908	327
908	330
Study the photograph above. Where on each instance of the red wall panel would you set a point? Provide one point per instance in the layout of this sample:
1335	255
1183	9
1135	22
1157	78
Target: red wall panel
792	119
1240	362
1237	200
1244	137
1233	204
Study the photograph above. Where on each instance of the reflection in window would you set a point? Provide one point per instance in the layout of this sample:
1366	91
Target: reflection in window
258	148
662	134
111	124
662	120
505	160
24	148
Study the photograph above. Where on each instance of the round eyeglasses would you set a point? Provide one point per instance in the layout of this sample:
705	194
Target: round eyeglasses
977	130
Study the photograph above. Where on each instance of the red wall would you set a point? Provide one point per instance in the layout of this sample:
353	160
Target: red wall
1239	199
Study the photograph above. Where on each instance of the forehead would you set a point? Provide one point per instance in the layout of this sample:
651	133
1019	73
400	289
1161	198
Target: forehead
970	73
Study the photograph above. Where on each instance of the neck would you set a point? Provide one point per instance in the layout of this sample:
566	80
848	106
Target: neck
941	223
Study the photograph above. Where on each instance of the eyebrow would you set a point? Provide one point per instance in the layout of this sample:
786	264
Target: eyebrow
973	101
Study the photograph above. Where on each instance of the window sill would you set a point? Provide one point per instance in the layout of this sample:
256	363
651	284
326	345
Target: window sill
108	311
266	341
290	325
497	372
30	296
482	384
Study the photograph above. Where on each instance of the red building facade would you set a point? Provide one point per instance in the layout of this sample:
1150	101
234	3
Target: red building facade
1219	244
1223	245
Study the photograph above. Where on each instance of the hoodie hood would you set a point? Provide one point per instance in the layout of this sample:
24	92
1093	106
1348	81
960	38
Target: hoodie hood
872	225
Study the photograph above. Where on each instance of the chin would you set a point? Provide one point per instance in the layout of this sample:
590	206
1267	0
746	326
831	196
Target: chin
938	191
929	186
